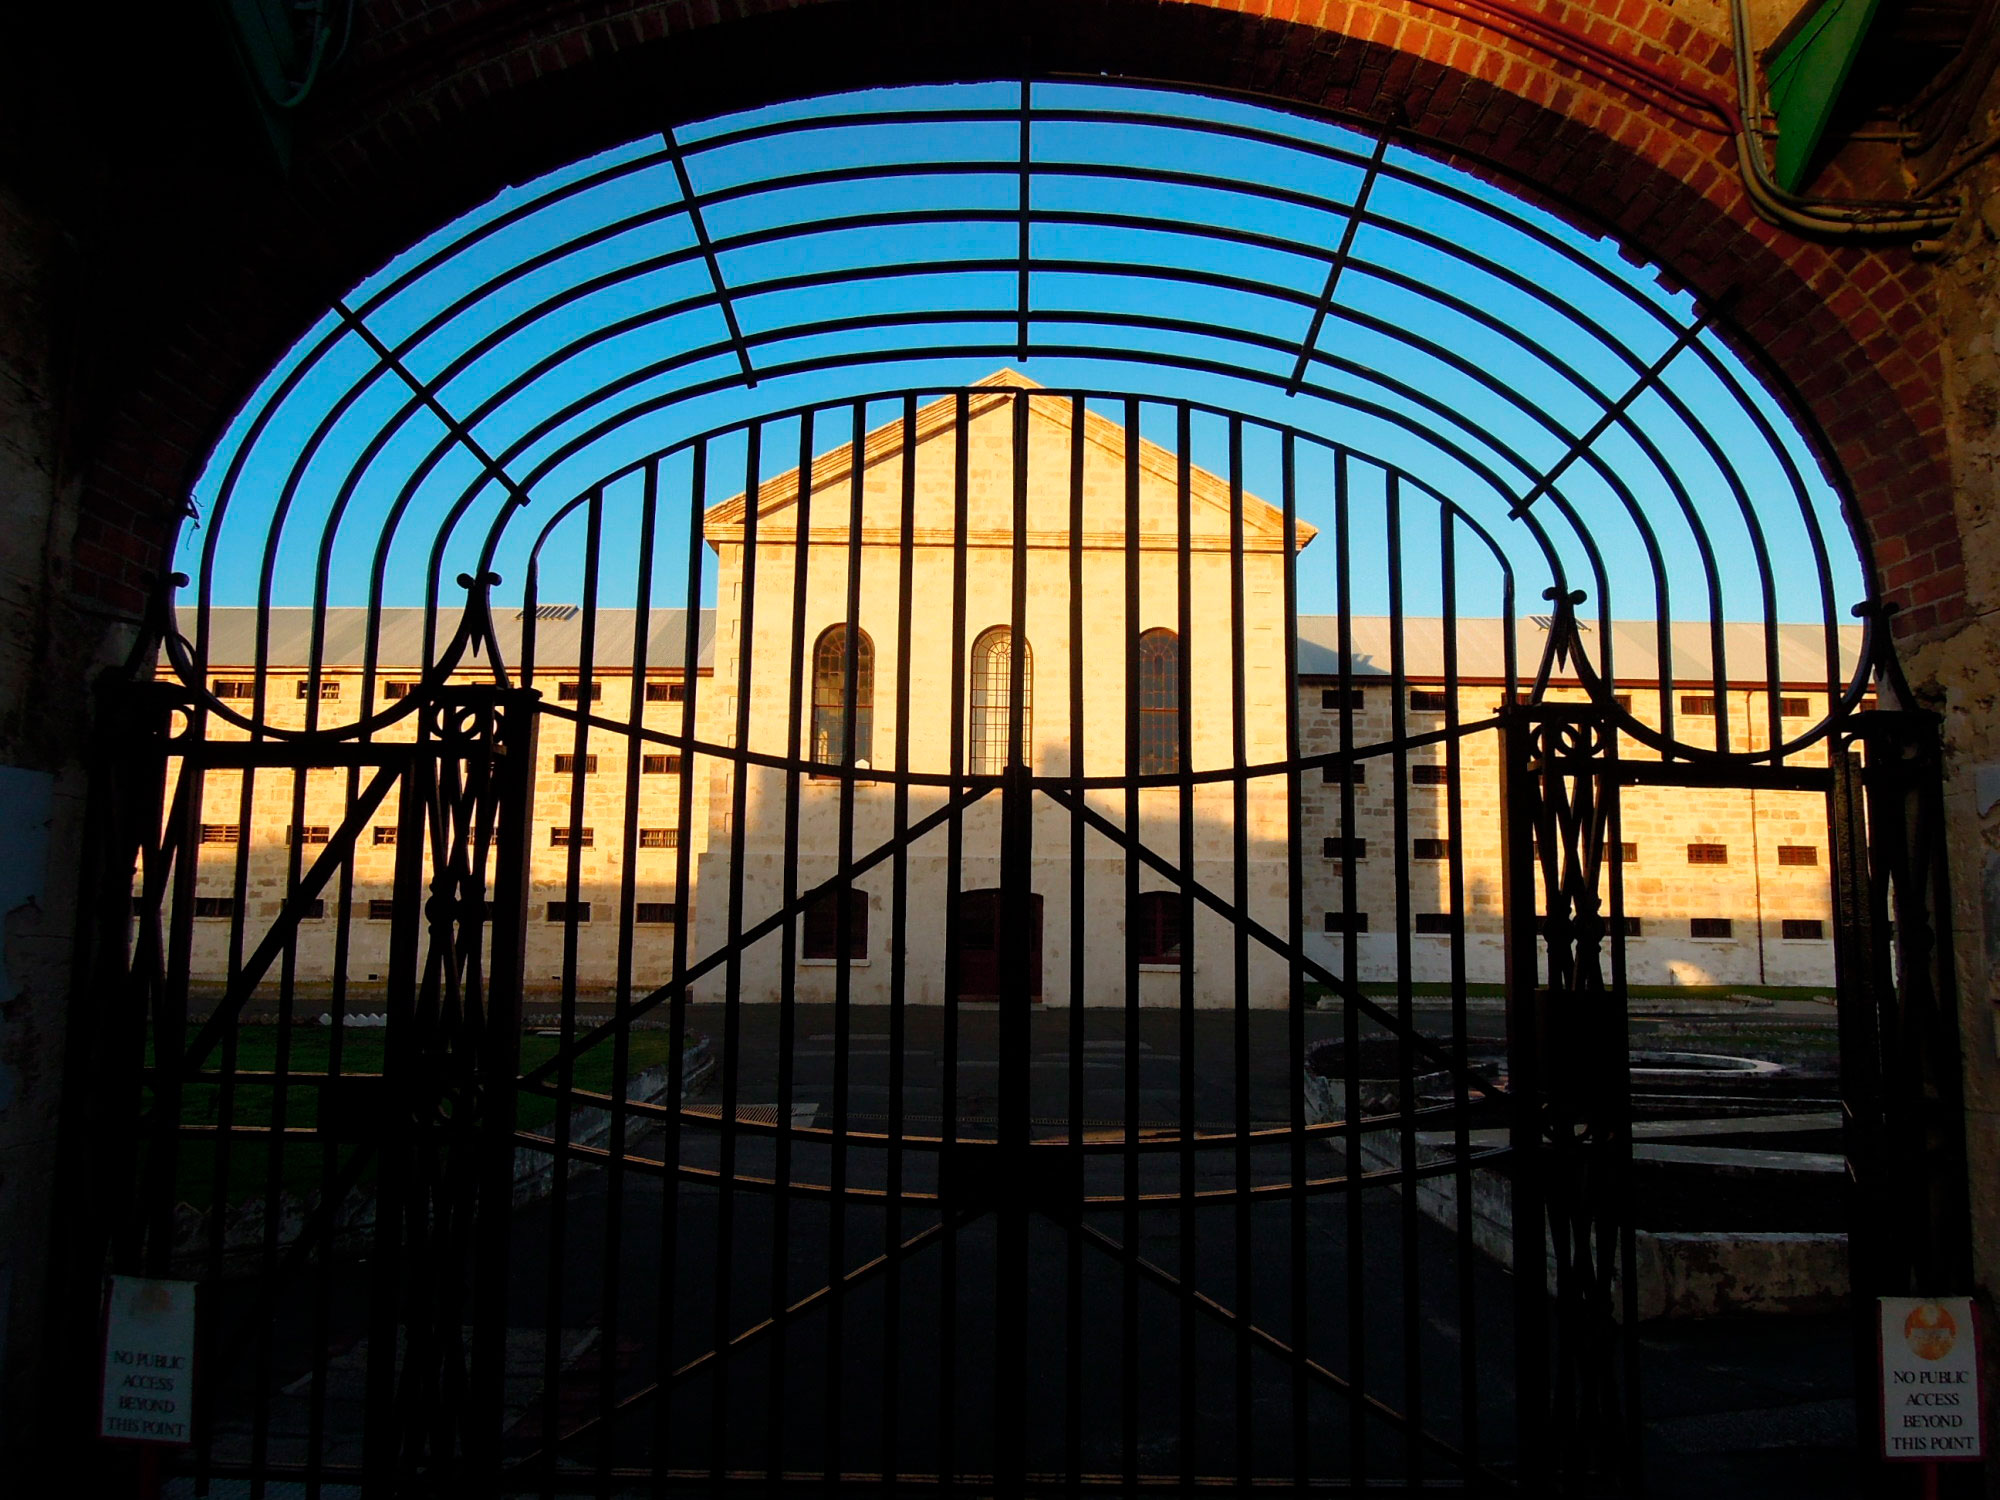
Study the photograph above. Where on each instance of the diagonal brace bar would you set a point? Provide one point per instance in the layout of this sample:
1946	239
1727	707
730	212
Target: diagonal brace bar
1612	413
1338	264
489	465
751	936
338	850
700	227
753	1334
1270	1342
1278	945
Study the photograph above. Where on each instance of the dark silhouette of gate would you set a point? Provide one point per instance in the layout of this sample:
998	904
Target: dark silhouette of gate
668	1147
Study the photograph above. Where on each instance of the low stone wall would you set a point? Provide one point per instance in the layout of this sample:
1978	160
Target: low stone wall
1681	1275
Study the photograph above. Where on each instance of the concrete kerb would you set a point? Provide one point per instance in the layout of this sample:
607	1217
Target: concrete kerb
1681	1274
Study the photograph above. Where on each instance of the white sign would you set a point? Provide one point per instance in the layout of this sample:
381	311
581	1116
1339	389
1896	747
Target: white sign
149	1361
1930	1379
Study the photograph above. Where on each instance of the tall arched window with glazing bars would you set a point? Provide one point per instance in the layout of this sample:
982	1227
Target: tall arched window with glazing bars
992	685
833	702
1159	703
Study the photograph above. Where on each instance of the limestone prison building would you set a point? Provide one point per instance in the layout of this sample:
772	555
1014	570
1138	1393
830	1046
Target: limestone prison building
1721	887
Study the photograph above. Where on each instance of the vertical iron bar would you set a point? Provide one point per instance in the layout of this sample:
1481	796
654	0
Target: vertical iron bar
948	1457
899	898
732	999
557	1283
1079	977
1299	1288
1191	1267
1406	1019
1354	1167
517	718
801	688
843	935
670	1148
1240	955
384	1422
1520	802
1862	989
277	1091
1010	1303
1190	1253
1128	1284
621	995
1465	1251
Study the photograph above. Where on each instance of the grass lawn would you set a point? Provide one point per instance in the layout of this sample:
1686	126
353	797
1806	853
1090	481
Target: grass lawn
309	1051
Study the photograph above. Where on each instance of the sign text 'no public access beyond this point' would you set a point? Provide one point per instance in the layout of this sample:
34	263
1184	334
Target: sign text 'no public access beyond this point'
1930	1379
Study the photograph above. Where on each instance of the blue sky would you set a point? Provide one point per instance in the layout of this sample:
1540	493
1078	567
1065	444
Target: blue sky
1472	338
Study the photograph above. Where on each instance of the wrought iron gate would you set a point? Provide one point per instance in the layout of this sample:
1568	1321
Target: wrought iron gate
531	1244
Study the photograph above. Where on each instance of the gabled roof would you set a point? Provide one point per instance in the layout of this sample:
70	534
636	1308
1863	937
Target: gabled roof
1262	522
232	641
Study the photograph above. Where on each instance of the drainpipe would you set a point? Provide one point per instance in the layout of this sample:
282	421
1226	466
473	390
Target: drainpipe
1817	217
1756	847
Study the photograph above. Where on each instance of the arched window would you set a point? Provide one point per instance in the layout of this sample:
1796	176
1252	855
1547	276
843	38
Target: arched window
831	699
1156	924
992	680
1159	703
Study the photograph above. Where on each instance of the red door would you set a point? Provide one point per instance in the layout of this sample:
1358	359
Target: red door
979	946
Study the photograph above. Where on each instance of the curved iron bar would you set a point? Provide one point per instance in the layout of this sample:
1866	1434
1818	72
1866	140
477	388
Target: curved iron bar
1422	180
653	1166
1156	1138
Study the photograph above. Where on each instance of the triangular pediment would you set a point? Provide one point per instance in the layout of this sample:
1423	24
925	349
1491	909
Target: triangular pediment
987	522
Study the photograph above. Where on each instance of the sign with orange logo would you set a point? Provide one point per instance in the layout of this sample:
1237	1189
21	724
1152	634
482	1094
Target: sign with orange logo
1930	1379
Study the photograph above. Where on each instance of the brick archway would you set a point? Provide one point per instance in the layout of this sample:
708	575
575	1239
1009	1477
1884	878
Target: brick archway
1598	110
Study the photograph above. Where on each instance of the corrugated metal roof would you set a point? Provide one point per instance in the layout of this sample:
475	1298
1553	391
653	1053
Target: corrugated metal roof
1634	649
1481	642
558	641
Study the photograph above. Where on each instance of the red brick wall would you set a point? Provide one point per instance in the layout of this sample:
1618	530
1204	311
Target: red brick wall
443	102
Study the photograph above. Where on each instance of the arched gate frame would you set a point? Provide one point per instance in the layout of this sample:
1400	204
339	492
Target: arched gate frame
991	1300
